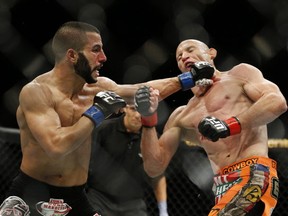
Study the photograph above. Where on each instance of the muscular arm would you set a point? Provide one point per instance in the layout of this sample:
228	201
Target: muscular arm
166	87
40	118
268	101
157	153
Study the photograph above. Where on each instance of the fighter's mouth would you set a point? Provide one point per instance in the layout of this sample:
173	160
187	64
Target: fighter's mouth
188	65
95	74
96	70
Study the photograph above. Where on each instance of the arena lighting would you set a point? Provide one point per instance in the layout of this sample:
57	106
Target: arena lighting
29	54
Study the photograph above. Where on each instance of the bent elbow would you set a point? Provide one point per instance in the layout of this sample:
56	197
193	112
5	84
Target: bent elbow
282	105
284	108
277	104
154	172
56	150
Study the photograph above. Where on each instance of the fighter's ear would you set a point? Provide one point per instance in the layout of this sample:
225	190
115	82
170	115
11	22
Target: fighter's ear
72	55
213	53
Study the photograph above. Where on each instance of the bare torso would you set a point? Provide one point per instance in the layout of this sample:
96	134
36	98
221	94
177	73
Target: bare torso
224	99
72	168
55	144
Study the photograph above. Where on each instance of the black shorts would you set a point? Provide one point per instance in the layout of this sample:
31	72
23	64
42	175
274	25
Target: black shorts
42	197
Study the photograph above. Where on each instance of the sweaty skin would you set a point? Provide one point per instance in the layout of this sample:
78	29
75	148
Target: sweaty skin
55	137
242	92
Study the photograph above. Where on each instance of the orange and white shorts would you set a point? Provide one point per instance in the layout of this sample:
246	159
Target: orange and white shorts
239	186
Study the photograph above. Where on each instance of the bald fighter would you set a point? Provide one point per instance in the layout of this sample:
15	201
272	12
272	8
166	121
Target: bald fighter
228	117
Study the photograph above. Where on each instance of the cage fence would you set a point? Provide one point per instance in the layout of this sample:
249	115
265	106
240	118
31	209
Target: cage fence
189	176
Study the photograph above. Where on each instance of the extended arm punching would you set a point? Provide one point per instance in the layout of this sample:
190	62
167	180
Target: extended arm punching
199	71
166	86
158	152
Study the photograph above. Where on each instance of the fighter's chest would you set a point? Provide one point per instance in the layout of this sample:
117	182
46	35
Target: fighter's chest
217	101
71	110
220	96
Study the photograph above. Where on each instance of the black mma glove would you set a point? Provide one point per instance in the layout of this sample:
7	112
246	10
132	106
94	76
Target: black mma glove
213	128
200	70
142	104
105	104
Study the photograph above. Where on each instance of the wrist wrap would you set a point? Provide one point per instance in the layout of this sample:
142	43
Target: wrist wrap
150	121
233	125
186	80
95	115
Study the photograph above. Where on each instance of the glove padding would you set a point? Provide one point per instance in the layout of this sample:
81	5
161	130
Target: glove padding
142	104
142	100
213	128
200	70
105	104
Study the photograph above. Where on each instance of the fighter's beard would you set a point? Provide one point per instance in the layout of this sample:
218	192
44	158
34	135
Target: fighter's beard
83	69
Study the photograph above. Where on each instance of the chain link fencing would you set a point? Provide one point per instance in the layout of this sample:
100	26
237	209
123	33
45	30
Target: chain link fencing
189	176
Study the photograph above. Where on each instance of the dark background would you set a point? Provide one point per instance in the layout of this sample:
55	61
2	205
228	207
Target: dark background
140	39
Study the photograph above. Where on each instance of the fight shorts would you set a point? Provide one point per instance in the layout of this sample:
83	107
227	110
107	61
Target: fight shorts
243	184
45	199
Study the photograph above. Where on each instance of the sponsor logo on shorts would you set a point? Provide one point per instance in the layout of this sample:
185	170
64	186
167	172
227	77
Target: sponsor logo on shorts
220	190
53	207
275	188
252	193
240	165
